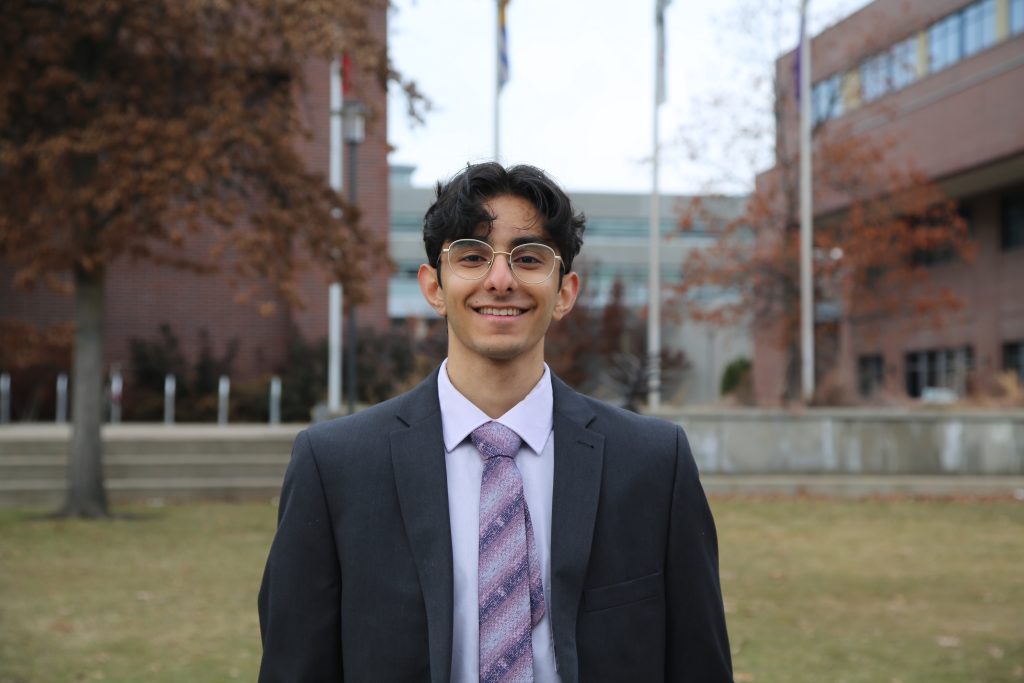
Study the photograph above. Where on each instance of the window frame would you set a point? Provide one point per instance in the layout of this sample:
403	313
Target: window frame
870	374
1013	358
1015	20
1011	206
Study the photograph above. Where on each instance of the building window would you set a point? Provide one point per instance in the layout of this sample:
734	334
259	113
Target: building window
979	25
1013	220
944	43
951	39
939	369
870	374
1013	358
1016	16
876	76
827	100
904	63
891	70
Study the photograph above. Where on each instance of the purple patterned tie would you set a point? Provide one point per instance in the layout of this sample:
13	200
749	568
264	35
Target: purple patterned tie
511	589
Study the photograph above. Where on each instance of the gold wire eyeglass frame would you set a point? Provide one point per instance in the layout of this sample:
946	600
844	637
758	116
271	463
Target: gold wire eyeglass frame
494	254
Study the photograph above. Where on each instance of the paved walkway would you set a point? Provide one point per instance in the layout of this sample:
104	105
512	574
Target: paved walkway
866	485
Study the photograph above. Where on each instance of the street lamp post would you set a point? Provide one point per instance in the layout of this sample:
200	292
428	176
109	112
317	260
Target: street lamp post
353	123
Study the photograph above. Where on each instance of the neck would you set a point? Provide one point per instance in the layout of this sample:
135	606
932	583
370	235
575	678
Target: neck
494	386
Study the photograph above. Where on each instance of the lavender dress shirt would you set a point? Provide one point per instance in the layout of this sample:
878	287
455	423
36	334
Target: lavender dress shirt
531	419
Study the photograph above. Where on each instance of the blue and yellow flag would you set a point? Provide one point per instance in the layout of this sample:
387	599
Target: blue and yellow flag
502	46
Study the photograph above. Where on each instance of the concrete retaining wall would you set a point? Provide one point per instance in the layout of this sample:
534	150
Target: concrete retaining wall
828	452
855	441
144	462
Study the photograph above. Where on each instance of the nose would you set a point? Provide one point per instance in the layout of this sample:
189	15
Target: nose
499	275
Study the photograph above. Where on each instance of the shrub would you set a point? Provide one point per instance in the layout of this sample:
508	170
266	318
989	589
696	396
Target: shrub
735	377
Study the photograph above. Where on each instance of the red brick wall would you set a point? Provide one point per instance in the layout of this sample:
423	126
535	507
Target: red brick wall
992	288
961	127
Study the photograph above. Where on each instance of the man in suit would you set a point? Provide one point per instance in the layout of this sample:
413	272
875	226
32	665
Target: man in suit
493	524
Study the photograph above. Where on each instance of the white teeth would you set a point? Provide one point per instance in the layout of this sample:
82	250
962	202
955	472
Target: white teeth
499	311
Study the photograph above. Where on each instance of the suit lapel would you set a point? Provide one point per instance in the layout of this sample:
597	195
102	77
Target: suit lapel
417	454
579	456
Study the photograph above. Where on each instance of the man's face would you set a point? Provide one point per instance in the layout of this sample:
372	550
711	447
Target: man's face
497	317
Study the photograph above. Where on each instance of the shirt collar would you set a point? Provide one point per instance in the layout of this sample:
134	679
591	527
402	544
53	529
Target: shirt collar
531	418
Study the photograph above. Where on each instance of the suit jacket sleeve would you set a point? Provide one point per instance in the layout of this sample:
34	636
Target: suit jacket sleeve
698	645
299	600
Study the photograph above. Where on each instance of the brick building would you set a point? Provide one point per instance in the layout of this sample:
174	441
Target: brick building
942	83
140	297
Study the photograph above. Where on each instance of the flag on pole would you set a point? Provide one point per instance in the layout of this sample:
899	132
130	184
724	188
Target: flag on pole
502	46
659	21
799	47
346	75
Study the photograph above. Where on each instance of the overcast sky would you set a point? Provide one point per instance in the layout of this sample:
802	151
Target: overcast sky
579	102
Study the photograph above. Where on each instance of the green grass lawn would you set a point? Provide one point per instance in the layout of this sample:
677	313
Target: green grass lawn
815	590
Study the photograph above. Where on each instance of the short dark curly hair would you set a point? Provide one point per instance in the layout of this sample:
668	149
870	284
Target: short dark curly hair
458	211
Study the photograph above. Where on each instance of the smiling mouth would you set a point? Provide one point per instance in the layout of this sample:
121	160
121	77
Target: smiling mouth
503	311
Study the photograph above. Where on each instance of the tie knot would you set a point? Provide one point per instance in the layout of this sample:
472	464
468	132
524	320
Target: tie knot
495	439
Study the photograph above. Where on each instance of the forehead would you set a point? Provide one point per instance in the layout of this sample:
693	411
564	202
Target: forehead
515	219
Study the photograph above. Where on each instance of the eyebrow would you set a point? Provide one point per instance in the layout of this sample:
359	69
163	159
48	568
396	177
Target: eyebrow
535	239
519	241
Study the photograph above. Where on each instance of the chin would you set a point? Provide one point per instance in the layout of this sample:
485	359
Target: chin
502	353
505	350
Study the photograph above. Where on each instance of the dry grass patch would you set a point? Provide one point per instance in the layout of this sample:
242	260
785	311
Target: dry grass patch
874	591
166	595
815	590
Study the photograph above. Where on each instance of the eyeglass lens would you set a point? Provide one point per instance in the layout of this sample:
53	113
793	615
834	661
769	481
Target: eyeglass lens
531	263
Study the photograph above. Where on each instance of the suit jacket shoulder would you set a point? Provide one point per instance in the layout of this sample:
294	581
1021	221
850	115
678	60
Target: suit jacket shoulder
368	430
641	439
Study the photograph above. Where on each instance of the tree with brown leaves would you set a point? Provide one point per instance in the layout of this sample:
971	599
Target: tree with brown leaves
879	224
128	128
871	257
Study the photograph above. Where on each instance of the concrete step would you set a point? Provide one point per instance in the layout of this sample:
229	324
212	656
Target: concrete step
154	446
180	462
13	468
49	493
143	439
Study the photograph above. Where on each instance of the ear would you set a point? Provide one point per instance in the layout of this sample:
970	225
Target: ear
567	294
431	288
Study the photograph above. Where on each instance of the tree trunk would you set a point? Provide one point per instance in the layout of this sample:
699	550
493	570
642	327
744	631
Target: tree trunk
86	495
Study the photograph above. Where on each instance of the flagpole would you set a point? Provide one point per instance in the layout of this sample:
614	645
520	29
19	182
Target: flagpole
334	292
500	73
654	226
497	82
806	217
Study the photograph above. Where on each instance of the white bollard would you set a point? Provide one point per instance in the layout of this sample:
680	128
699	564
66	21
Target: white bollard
170	387
116	389
334	345
275	400
5	398
62	398
223	394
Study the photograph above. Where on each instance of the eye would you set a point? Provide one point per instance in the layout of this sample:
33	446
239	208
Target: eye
531	257
470	254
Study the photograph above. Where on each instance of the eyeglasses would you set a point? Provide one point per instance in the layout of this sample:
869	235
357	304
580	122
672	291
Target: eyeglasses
531	263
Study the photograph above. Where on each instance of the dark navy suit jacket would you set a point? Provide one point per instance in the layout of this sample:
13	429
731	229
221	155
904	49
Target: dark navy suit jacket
358	583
